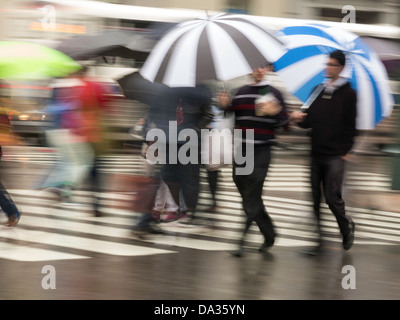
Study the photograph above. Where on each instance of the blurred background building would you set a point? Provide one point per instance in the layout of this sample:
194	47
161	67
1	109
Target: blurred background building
57	19
49	22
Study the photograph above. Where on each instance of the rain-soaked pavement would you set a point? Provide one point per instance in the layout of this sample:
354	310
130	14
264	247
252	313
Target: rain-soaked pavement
67	253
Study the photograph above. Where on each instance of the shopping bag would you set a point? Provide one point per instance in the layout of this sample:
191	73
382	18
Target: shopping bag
144	191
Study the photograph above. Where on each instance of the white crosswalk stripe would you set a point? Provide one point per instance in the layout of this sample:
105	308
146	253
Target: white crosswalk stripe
49	231
281	177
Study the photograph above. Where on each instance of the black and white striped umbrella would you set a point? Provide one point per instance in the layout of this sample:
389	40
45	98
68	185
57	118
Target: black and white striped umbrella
220	47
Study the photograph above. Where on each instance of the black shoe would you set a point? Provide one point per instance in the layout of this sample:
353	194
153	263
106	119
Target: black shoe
141	232
268	241
152	229
348	239
238	253
313	251
266	245
97	213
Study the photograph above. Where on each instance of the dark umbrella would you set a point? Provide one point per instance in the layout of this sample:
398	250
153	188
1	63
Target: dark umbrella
169	104
114	43
135	87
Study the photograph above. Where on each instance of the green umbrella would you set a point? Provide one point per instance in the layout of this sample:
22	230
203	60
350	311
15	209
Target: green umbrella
25	60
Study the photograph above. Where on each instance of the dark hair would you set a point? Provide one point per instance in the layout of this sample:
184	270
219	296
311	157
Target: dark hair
339	56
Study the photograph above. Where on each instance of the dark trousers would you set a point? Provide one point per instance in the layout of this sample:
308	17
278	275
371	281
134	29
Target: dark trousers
183	180
7	204
212	178
327	174
251	188
95	183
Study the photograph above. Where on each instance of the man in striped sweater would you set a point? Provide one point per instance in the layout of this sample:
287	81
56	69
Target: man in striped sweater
258	108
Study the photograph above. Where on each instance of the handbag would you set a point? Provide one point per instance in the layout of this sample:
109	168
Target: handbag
144	193
143	189
215	154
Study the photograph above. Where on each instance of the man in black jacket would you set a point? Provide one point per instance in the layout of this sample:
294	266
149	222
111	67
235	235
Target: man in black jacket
332	119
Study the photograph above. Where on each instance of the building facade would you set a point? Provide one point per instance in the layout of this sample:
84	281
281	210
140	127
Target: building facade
365	11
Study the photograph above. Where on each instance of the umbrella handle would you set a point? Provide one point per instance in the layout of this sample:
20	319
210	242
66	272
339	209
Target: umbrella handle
311	99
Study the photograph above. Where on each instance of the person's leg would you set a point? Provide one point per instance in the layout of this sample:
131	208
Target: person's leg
212	178
9	207
317	173
96	186
251	188
333	194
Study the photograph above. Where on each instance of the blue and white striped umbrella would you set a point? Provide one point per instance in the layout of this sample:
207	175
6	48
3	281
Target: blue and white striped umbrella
302	68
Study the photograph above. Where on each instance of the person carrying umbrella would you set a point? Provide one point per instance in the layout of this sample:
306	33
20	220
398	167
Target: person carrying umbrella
261	108
332	119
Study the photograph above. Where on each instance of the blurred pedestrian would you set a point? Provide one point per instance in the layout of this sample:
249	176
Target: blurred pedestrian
332	119
190	108
6	203
260	107
148	219
96	104
68	137
215	154
171	111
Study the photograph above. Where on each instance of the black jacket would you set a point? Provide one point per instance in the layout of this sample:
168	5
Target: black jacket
333	122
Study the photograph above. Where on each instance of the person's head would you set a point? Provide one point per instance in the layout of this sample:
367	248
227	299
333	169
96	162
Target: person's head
260	72
335	65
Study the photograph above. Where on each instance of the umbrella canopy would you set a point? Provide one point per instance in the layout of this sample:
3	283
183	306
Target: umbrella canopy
24	60
302	68
220	47
387	50
111	43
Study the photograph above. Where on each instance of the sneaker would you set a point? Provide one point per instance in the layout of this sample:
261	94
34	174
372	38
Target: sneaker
156	216
348	240
186	219
12	221
172	216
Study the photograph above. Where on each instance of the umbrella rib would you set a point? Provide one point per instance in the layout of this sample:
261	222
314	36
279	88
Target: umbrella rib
254	57
204	57
269	33
164	65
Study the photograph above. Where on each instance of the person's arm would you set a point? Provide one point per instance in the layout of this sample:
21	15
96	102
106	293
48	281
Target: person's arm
206	114
224	100
282	116
349	123
300	118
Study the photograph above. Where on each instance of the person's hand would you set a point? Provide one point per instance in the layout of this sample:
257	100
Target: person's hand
271	108
349	157
223	99
297	116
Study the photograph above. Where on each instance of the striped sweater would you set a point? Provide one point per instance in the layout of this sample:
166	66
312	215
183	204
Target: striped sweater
243	104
